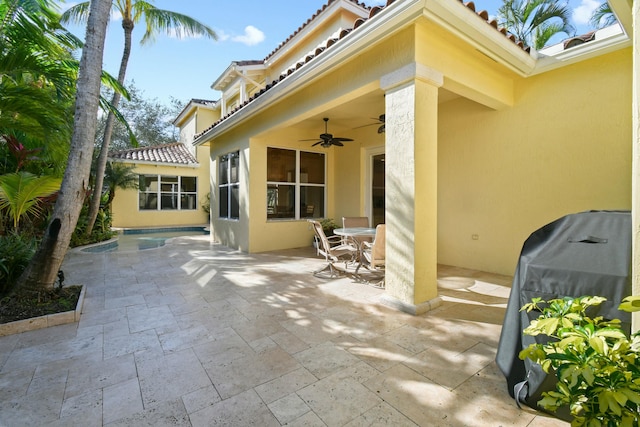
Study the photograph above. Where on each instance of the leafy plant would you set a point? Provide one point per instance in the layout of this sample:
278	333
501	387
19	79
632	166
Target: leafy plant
21	193
328	225
596	364
15	252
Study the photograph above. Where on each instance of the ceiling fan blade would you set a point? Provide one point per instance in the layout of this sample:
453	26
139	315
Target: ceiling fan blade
319	142
304	140
338	143
381	129
341	139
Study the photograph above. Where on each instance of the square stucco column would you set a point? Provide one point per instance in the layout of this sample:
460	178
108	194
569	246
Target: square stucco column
411	168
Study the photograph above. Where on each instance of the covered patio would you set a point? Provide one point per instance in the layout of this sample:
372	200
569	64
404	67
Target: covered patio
195	333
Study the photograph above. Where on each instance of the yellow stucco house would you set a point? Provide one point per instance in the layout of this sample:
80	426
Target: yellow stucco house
484	141
173	178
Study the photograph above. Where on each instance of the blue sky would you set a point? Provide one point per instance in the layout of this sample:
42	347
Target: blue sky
247	29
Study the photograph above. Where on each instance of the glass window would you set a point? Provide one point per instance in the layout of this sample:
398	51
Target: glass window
295	184
167	190
229	186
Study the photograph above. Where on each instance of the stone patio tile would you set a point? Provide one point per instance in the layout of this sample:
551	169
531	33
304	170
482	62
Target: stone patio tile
41	354
160	299
435	364
51	381
142	319
87	405
93	375
169	414
418	398
232	376
185	338
225	347
288	408
244	409
31	409
251	330
15	383
121	400
325	359
282	386
169	377
189	304
380	353
381	415
289	342
119	345
309	419
102	317
338	400
412	339
310	329
200	399
47	335
124	301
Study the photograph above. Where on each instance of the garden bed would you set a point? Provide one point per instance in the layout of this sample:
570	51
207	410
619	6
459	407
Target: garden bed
23	313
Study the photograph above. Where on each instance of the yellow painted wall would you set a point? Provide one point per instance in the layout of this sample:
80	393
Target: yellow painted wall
125	205
564	147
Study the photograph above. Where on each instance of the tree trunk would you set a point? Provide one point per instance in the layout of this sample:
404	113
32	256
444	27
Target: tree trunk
43	268
101	163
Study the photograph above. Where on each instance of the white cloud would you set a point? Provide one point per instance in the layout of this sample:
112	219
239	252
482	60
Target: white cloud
251	36
582	14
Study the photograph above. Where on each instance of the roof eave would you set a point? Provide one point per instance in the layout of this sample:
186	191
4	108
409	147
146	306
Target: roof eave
454	16
608	43
151	163
190	107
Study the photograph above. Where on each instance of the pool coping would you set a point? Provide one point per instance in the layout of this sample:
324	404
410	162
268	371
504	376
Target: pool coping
45	321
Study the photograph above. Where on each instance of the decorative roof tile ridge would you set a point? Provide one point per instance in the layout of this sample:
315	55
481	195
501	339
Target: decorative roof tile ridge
484	15
308	21
174	152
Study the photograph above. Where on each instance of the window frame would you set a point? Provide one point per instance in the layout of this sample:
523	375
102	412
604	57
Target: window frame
229	185
176	192
297	185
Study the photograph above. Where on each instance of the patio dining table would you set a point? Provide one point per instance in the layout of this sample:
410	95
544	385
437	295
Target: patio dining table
357	232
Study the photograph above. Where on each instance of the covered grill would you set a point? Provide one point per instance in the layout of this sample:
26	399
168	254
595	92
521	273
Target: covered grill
587	253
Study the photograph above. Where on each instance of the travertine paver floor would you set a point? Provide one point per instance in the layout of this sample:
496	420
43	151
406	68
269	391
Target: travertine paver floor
197	334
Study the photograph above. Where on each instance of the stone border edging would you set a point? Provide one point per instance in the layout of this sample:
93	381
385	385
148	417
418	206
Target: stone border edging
45	321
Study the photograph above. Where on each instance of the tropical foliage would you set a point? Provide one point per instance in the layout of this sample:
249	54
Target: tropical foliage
597	365
155	20
535	22
21	194
603	16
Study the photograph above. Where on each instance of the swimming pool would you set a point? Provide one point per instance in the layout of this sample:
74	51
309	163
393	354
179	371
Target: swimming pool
142	239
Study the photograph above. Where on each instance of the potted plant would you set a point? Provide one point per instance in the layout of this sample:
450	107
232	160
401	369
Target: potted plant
596	364
328	225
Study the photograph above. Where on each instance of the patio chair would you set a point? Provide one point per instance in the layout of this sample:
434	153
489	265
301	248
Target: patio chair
334	249
373	253
357	221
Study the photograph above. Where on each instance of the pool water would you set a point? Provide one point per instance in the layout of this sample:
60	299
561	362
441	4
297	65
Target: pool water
139	240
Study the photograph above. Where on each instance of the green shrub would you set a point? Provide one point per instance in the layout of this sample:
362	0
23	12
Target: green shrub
101	229
596	364
15	253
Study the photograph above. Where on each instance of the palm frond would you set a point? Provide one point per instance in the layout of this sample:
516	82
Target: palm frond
159	20
20	193
77	14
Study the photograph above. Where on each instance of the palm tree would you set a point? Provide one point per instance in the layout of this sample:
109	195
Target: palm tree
119	175
534	22
156	20
603	16
20	193
44	266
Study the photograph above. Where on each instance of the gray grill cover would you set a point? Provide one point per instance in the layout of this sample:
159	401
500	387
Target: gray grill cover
587	253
